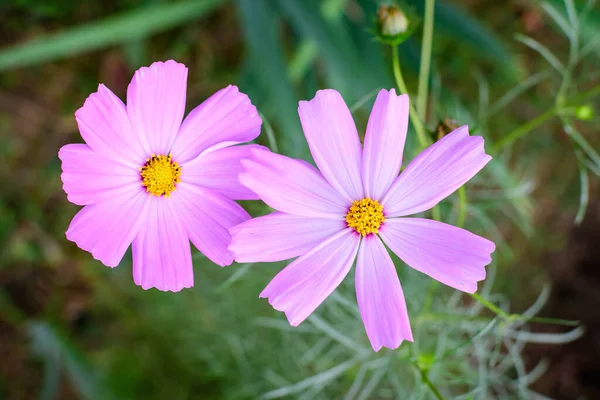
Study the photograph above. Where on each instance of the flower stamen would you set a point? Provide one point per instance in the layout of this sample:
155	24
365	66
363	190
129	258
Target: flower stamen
160	174
365	216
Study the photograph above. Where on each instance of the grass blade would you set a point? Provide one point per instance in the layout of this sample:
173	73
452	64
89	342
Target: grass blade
319	379
57	351
336	47
134	25
542	50
559	18
259	23
462	26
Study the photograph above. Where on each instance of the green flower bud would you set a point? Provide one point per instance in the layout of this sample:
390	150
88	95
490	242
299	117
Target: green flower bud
392	20
394	25
584	112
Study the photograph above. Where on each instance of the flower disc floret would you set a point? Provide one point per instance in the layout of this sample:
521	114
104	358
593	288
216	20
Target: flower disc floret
160	174
365	216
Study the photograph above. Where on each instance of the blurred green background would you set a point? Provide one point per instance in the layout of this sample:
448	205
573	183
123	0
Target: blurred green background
71	328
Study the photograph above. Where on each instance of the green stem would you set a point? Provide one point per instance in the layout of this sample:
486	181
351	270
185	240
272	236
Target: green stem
490	306
419	128
524	129
462	212
425	60
460	318
540	119
518	317
544	320
593	92
425	379
269	132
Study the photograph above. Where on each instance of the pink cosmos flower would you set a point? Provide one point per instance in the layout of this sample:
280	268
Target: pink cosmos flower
352	206
146	178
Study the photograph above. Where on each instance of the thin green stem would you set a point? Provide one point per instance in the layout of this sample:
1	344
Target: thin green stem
518	317
540	119
425	379
460	318
593	92
524	129
419	128
270	134
425	60
544	320
490	306
462	211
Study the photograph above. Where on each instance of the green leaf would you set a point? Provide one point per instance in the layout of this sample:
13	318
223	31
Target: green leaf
127	27
259	23
467	29
58	354
542	50
332	36
582	143
587	23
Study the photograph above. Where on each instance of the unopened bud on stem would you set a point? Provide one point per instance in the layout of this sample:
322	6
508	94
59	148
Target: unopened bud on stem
394	25
584	112
392	20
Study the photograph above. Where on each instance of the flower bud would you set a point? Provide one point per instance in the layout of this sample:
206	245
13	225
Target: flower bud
392	20
584	112
445	127
394	25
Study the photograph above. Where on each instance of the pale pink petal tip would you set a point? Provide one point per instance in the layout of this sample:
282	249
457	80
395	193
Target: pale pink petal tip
104	125
384	142
156	103
436	173
333	140
448	254
379	294
304	284
226	118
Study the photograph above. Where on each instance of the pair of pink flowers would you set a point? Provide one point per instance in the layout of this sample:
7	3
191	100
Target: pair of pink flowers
148	179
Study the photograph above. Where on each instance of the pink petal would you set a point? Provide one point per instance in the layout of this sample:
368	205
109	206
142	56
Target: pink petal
207	217
226	118
162	257
280	236
303	285
448	254
384	142
89	178
292	186
104	125
380	298
107	229
436	173
333	141
156	103
219	170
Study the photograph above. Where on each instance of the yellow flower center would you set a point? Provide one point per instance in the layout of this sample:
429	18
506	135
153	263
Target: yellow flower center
160	174
365	216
